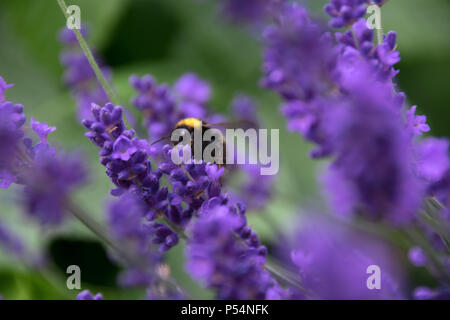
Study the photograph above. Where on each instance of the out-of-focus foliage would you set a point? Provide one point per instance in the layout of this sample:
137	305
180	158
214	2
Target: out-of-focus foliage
167	38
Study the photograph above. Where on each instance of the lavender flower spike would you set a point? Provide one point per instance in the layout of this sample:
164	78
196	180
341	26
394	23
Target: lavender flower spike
344	13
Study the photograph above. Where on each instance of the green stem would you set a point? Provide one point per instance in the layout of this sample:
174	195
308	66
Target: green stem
99	231
287	277
98	72
88	53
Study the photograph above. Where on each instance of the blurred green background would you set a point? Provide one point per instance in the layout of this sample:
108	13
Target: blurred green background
168	38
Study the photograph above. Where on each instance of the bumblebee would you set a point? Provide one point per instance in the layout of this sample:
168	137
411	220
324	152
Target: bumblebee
196	128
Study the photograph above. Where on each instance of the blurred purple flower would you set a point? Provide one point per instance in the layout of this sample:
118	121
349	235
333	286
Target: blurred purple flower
333	263
189	87
215	258
417	257
3	88
344	13
11	132
160	106
358	43
42	130
79	76
417	123
87	295
432	161
299	57
425	293
67	36
373	156
49	182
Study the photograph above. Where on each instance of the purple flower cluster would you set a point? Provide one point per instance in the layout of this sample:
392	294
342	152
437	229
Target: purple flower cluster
341	97
224	254
49	183
357	43
11	133
79	76
48	177
126	160
373	159
425	293
3	87
333	262
344	13
162	106
298	57
160	217
87	295
128	223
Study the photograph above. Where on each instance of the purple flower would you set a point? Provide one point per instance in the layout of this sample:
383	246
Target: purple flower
3	88
157	104
123	149
372	170
79	76
333	263
417	257
67	36
344	13
161	109
417	124
163	236
49	182
425	293
215	258
6	179
87	295
244	109
359	44
42	130
126	160
386	51
299	57
11	132
214	172
190	87
48	177
432	161
125	219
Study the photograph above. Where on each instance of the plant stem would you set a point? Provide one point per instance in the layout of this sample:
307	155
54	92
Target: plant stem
90	57
99	231
380	30
287	277
88	53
